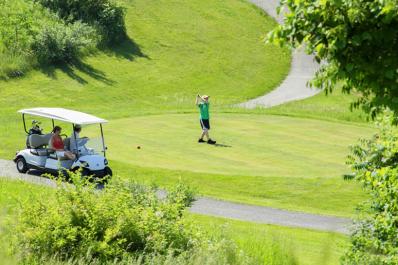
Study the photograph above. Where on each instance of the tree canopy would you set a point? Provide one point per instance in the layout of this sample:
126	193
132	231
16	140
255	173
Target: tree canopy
357	40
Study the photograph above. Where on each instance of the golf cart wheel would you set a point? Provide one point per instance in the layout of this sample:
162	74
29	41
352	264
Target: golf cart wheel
22	167
108	171
86	172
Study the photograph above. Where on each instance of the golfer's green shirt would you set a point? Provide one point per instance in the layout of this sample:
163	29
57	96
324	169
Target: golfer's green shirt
204	110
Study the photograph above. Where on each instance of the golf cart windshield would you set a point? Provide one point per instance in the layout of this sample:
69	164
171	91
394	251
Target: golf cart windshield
88	146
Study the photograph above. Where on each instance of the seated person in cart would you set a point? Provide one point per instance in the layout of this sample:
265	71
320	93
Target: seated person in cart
57	144
77	144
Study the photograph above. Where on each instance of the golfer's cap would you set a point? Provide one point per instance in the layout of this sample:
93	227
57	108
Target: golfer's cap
36	122
205	96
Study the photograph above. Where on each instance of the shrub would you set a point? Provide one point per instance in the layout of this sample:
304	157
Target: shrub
119	221
31	33
63	43
106	15
375	165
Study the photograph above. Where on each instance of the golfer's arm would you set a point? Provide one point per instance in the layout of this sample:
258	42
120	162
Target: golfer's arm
198	98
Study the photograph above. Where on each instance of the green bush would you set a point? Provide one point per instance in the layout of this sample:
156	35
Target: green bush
375	164
121	220
54	31
30	33
106	15
63	43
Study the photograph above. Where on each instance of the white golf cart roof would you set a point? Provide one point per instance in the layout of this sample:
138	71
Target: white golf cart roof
66	115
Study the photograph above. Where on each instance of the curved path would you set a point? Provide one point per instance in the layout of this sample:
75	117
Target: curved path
213	207
302	70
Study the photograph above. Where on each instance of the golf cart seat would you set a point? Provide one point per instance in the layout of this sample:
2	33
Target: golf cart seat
37	141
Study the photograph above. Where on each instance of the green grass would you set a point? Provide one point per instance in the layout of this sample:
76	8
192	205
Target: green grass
255	145
335	106
269	160
307	247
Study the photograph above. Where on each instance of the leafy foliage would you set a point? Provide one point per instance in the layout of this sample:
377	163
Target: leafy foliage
217	252
375	165
20	21
54	31
106	15
121	220
63	43
357	39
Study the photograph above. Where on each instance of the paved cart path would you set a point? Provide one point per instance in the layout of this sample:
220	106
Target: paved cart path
302	70
214	207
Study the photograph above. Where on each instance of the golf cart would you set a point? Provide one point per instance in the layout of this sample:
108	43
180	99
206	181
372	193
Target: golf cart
91	160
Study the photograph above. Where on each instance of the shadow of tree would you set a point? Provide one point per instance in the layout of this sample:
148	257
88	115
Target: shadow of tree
127	49
71	69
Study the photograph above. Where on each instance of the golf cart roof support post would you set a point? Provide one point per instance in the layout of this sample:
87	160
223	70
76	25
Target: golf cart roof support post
24	124
74	135
53	123
103	141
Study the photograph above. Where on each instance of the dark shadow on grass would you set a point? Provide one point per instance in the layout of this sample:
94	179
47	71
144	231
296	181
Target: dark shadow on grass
127	49
71	69
222	145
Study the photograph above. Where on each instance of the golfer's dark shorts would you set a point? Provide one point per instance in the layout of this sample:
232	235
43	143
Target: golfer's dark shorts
205	124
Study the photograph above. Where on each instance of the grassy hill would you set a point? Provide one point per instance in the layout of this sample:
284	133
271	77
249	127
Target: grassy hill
176	49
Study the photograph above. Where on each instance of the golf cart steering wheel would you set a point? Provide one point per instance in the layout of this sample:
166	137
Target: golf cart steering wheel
63	135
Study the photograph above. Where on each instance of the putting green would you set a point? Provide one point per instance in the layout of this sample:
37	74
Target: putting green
250	145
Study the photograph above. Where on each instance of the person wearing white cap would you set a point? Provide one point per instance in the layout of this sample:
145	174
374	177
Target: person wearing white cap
203	104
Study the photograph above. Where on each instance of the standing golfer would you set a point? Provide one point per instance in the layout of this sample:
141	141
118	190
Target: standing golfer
203	103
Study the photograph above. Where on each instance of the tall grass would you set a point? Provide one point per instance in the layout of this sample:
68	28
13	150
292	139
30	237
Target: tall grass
14	65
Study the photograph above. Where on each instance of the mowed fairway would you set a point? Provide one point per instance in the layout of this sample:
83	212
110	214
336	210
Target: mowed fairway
284	162
249	145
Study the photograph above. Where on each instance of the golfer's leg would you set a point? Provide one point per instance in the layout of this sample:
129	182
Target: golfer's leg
206	133
203	134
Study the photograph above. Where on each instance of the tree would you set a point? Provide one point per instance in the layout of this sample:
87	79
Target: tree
374	163
357	40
